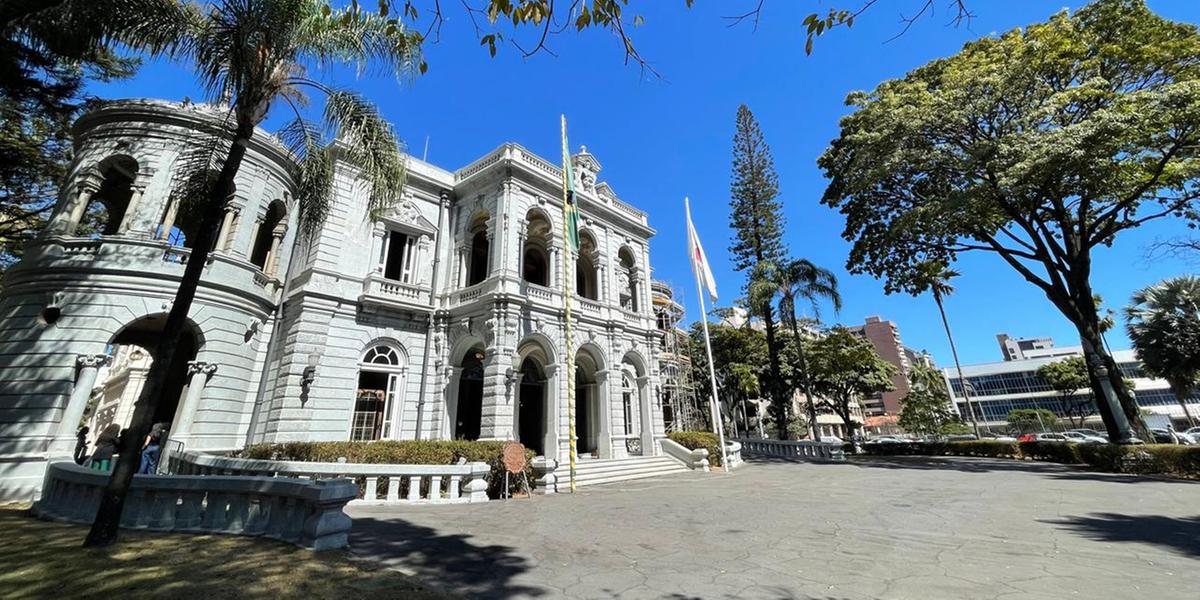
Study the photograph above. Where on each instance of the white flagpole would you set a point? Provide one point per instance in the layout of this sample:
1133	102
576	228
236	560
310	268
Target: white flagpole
712	373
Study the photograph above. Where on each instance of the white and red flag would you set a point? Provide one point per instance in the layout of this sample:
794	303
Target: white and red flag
699	261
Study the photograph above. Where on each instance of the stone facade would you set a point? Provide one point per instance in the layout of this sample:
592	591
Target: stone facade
441	317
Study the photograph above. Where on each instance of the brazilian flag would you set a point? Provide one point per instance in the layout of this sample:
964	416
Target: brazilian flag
570	211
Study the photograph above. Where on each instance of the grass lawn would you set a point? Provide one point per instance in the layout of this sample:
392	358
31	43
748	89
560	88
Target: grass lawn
40	559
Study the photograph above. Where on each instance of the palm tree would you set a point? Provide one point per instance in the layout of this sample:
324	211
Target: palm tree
1164	325
253	55
797	281
934	276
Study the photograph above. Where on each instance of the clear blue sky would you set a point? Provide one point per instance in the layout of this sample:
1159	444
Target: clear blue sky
661	139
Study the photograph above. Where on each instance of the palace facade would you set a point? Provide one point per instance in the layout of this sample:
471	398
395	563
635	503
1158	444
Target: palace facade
442	318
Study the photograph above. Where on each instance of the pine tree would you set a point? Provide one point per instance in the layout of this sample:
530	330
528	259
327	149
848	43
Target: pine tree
758	239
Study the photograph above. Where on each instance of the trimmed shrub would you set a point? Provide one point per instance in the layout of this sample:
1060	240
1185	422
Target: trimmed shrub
1161	459
693	440
397	452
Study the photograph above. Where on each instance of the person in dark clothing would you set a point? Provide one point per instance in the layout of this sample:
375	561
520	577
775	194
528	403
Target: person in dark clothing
106	447
81	444
152	450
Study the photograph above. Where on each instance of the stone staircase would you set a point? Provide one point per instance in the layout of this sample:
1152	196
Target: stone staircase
598	471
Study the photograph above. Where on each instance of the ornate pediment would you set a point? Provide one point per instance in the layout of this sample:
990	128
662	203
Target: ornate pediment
406	215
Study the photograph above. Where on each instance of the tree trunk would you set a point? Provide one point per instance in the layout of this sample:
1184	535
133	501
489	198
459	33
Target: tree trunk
805	382
1117	409
937	298
108	517
775	386
1182	393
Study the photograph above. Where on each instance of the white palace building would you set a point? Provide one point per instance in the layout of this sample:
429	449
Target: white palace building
441	319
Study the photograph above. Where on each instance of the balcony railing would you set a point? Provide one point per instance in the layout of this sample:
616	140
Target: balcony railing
388	291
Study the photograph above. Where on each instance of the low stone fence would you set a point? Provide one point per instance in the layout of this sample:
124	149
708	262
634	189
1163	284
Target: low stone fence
793	449
733	453
305	513
377	483
694	459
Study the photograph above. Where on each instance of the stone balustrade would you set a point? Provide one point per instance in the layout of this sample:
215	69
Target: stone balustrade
694	459
545	480
377	483
802	450
303	512
386	291
733	453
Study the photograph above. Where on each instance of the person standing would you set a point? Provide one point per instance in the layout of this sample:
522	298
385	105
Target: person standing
106	447
81	444
152	450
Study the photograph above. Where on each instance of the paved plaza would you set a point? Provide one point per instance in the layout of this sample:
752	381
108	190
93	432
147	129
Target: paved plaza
899	528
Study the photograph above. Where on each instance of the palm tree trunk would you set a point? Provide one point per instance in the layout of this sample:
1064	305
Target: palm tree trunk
810	404
108	517
1182	393
937	298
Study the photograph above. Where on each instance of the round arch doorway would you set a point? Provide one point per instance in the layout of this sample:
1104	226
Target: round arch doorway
531	406
468	406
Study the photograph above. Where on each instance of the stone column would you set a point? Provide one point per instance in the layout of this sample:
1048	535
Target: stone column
556	268
88	366
555	387
228	233
68	222
273	255
131	208
522	234
378	247
423	264
198	376
499	397
604	409
647	422
450	421
169	220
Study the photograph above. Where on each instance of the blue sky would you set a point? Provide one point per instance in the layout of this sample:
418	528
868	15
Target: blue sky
660	139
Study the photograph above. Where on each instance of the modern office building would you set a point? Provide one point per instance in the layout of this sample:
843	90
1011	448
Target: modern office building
441	318
999	387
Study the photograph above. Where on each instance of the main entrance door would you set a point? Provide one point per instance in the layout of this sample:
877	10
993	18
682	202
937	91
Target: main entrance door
531	407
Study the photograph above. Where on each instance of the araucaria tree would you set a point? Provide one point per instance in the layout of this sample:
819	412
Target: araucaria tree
1164	326
845	369
254	55
1038	146
758	238
1067	377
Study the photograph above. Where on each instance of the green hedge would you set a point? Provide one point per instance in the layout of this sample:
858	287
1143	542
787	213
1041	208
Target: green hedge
404	452
1164	459
693	440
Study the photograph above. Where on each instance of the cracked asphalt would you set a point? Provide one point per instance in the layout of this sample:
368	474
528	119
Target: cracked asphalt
899	528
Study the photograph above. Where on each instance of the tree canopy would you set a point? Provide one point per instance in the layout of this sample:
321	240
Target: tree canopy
1037	146
845	369
926	409
1164	326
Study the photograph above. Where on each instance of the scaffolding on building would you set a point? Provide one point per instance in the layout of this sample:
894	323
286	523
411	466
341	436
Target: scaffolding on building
681	406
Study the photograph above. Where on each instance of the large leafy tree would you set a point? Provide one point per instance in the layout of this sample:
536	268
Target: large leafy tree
1037	146
1164	326
1067	377
926	409
1029	420
846	369
757	221
255	55
796	281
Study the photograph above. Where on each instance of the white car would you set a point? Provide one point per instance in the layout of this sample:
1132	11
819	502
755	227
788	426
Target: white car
887	439
832	439
1081	438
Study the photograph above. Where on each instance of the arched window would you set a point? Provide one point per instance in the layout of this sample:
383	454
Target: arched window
628	279
378	402
105	209
535	260
267	237
585	268
478	265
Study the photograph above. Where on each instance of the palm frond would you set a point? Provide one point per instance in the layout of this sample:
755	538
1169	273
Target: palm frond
358	37
313	173
370	144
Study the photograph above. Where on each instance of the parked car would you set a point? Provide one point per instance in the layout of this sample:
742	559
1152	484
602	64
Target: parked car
1194	432
832	439
1080	438
1166	436
1093	433
998	437
887	439
1043	437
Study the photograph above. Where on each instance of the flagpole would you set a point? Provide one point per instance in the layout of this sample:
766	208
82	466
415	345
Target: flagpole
570	358
712	373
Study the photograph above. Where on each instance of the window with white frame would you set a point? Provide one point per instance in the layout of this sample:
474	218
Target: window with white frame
398	257
378	403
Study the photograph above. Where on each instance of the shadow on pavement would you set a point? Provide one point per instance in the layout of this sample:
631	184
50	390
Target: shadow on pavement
1179	534
449	562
